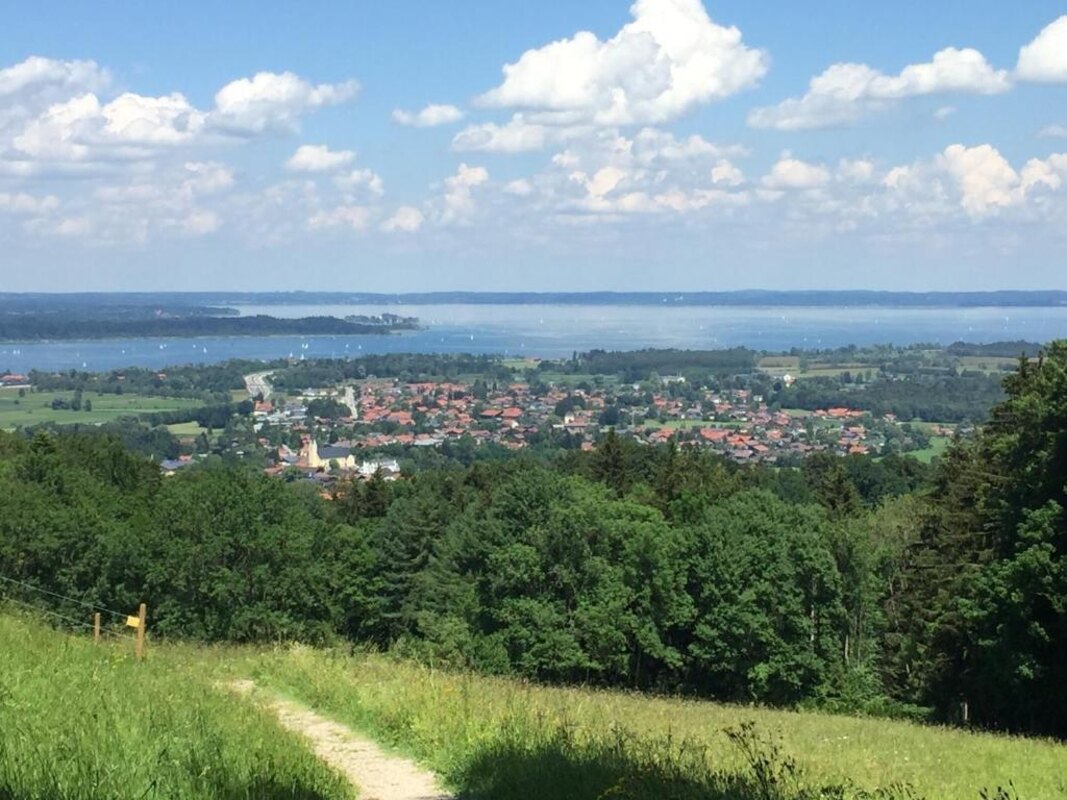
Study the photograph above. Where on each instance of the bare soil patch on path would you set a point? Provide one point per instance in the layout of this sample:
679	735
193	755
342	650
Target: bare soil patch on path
377	775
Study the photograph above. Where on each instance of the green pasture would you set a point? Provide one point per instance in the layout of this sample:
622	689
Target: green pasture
191	429
36	407
938	446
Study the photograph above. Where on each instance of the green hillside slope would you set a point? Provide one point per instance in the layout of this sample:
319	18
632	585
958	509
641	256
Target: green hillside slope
503	738
85	720
81	721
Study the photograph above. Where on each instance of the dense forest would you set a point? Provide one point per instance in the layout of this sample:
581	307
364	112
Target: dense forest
933	398
638	365
1001	349
875	586
102	307
404	366
209	382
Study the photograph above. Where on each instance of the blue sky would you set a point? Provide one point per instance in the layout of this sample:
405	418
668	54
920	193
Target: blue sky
411	146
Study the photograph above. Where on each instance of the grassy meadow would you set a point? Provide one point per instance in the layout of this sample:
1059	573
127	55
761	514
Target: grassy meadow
499	738
80	721
36	407
186	429
991	364
86	721
937	448
777	366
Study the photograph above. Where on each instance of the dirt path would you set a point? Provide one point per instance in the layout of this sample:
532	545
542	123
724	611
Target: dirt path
376	774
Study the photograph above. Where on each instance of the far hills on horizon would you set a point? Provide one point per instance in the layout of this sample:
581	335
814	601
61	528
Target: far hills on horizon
28	302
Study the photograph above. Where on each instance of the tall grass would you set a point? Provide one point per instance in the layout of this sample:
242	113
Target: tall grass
80	721
502	739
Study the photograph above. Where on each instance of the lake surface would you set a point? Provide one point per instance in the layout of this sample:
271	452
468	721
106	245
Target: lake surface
557	331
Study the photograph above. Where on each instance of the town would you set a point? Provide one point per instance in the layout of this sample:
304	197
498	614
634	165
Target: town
321	420
362	429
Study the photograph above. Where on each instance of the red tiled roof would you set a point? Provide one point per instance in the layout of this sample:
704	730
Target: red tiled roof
713	434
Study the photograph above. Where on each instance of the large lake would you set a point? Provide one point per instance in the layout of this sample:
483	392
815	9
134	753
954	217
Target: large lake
557	331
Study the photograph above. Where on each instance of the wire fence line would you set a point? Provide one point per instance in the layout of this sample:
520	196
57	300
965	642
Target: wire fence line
90	606
50	613
66	619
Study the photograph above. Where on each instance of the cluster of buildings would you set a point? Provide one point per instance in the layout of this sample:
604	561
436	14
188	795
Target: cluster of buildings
744	429
380	414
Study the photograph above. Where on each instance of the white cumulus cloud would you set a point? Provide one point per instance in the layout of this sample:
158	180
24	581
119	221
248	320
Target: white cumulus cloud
985	178
858	171
653	145
37	72
458	199
136	119
355	217
428	117
361	179
792	173
406	219
516	136
520	187
23	203
1049	173
844	93
206	177
726	174
130	126
318	158
1045	58
63	131
671	57
54	117
271	101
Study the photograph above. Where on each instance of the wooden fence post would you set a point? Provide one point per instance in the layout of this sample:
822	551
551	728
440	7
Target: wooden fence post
141	614
96	627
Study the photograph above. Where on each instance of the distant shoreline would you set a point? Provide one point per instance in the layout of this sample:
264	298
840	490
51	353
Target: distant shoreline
30	329
746	298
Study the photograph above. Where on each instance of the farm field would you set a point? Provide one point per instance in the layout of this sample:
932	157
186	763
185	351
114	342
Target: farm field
186	429
36	407
780	363
992	364
520	363
174	731
791	365
938	446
